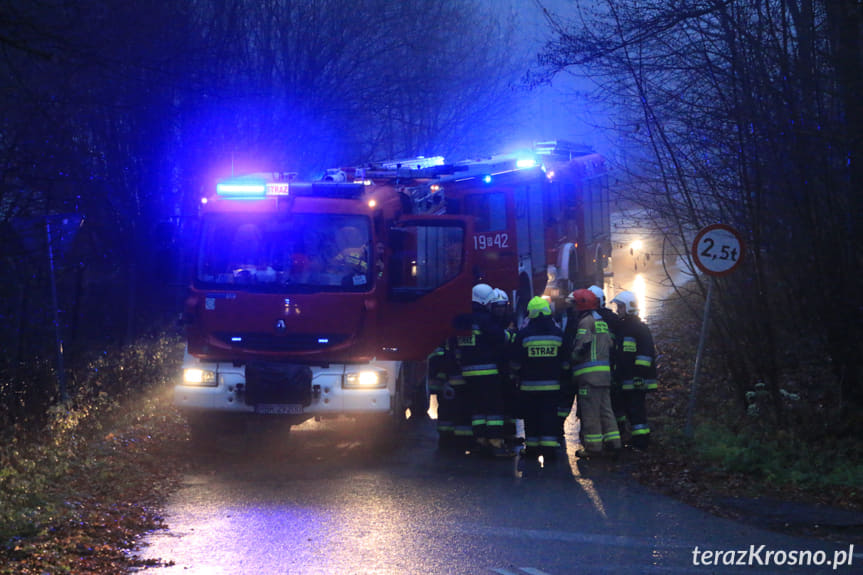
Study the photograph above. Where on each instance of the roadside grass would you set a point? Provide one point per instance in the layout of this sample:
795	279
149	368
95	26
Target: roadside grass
732	453
782	459
77	494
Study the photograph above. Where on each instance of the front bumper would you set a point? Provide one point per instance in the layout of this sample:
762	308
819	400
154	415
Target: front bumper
323	394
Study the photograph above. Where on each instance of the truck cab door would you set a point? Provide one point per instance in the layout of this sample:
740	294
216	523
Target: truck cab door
429	283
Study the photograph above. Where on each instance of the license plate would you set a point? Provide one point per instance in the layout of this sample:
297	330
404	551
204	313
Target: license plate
279	408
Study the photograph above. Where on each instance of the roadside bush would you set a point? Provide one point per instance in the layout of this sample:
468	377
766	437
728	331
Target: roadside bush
26	393
736	442
73	474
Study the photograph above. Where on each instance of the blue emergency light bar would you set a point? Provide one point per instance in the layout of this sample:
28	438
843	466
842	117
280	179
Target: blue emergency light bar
241	189
252	189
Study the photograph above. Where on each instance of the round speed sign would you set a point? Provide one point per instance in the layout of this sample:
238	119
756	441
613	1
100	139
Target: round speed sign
717	249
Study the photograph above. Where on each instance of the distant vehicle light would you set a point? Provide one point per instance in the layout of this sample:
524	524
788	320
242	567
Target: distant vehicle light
372	203
486	179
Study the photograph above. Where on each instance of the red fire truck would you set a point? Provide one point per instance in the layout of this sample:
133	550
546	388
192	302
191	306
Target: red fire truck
541	217
307	297
321	299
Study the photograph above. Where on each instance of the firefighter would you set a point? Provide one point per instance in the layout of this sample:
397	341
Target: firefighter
502	313
445	381
612	319
353	253
479	355
541	363
500	309
568	390
635	370
591	373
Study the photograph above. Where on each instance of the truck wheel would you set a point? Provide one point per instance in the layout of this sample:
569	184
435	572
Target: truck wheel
385	430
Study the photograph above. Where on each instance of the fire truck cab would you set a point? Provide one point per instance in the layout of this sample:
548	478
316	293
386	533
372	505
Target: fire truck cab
308	299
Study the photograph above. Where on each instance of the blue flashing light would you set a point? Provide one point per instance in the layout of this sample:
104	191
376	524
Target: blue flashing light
236	338
487	178
526	163
323	340
247	189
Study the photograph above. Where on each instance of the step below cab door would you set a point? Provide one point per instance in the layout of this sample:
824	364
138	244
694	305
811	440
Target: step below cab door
430	278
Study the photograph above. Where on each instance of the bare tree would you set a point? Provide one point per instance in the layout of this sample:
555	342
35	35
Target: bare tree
738	112
310	84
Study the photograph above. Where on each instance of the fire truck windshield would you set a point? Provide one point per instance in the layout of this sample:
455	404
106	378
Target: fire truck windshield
285	253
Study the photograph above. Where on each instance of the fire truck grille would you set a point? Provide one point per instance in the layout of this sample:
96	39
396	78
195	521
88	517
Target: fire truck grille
268	382
270	342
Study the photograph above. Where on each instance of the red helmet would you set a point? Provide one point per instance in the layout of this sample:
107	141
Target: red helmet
584	300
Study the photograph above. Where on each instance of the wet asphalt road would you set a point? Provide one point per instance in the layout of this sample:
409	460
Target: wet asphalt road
322	501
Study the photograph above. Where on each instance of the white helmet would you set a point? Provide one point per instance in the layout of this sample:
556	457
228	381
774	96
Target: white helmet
600	295
482	294
498	296
629	302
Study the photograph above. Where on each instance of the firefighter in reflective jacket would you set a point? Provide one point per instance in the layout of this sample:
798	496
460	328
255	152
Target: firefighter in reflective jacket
479	356
445	381
502	313
353	254
541	362
591	373
635	369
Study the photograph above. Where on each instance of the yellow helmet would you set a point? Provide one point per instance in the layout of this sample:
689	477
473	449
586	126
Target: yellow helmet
537	306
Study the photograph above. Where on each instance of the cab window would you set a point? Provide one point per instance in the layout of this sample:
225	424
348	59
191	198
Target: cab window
488	209
424	258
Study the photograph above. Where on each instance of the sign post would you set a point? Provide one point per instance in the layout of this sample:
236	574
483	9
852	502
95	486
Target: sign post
717	250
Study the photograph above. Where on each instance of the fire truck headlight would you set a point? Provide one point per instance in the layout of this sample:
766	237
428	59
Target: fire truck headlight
203	377
369	379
